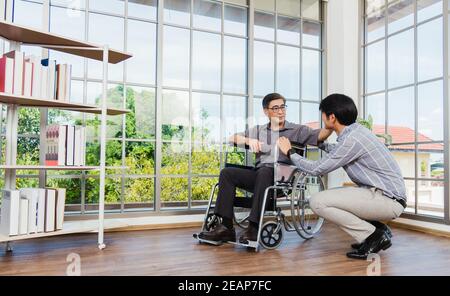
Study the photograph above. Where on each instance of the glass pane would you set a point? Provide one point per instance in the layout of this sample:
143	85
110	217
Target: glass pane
427	9
375	108
289	7
375	27
141	68
111	6
205	159
201	189
174	193
310	114
311	9
311	72
177	12
264	68
140	123
175	159
431	161
235	21
400	15
235	65
139	193
431	198
264	26
288	30
268	5
109	30
375	69
405	155
401	59
140	158
113	190
176	57
401	115
288	71
146	9
430	50
206	61
293	112
311	34
431	112
175	115
234	115
79	4
259	118
207	15
24	9
205	118
114	153
72	26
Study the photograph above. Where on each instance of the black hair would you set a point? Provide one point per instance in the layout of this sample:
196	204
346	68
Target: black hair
271	97
343	108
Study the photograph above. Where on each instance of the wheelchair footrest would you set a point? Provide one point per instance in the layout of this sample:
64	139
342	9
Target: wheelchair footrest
209	242
249	244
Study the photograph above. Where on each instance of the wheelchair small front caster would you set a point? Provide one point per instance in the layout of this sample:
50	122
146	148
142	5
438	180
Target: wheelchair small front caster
8	248
271	235
101	246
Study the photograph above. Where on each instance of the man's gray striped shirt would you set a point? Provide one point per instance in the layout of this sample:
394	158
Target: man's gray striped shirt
367	161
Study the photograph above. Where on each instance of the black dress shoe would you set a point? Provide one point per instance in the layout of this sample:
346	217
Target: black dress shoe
376	242
250	234
378	225
219	234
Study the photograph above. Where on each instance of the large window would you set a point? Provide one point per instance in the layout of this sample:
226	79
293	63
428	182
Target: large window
404	93
172	161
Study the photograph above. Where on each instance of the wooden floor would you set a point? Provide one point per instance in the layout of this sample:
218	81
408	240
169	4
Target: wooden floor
174	252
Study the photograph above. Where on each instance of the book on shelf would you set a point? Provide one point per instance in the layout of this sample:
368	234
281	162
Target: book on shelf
6	75
51	79
10	212
59	208
65	145
32	196
23	216
50	202
28	79
19	59
34	77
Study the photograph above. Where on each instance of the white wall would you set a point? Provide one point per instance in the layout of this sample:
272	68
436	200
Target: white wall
342	58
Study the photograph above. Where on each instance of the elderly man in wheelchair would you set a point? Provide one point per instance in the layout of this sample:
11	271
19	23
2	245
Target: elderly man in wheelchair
273	178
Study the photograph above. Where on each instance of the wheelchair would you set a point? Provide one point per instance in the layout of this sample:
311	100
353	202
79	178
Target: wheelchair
292	188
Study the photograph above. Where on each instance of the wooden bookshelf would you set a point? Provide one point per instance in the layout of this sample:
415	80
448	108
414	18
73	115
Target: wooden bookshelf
19	35
27	35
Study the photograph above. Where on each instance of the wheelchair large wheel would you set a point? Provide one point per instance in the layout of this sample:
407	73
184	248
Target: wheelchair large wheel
271	235
305	222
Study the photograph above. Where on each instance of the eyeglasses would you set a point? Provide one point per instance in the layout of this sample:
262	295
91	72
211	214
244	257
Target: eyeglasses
278	108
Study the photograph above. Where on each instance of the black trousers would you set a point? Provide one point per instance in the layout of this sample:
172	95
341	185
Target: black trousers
255	181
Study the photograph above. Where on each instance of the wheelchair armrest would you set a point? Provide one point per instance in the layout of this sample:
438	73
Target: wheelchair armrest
238	166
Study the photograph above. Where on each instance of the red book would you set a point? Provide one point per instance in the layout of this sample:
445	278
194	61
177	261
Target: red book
6	75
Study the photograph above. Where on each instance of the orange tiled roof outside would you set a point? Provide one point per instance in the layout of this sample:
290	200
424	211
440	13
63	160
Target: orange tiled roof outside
400	134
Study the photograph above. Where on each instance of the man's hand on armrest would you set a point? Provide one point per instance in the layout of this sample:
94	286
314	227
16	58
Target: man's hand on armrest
254	144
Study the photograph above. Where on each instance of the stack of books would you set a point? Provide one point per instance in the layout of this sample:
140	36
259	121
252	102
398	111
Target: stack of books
32	210
66	145
34	77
